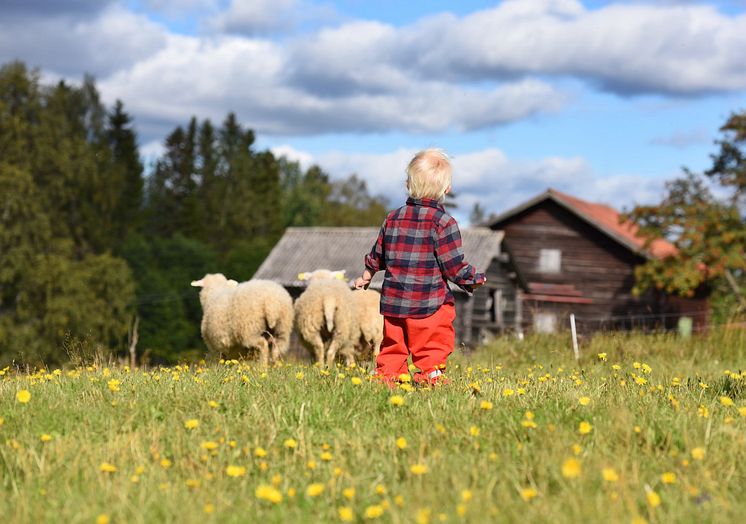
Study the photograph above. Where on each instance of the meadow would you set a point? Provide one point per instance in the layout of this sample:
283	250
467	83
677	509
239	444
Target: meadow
641	429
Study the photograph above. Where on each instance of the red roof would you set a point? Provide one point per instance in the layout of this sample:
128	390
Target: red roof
607	218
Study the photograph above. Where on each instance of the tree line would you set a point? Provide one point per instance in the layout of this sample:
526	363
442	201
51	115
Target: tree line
90	238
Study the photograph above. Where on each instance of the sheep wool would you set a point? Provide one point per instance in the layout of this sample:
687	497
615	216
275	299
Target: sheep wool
325	317
236	318
370	323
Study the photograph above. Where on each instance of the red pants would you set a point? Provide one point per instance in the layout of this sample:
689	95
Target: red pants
429	340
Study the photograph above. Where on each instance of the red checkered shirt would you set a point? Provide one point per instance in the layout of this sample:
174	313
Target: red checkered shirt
419	246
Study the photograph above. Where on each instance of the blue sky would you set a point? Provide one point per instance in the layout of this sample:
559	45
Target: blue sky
605	100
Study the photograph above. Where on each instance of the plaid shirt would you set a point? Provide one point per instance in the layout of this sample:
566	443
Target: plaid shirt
419	246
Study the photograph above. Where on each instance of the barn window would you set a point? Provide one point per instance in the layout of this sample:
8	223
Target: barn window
545	322
550	260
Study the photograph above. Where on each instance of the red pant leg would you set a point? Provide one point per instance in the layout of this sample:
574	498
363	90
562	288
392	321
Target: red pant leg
431	340
392	359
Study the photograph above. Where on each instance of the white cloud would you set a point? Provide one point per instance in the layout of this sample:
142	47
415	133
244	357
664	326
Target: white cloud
253	17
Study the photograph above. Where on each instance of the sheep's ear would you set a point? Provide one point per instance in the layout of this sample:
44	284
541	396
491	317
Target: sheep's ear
198	283
339	274
232	283
302	276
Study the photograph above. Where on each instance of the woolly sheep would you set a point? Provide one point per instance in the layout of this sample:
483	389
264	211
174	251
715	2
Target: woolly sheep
325	317
369	321
257	314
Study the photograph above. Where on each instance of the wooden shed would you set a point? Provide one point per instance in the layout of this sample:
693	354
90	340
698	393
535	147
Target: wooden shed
492	308
577	257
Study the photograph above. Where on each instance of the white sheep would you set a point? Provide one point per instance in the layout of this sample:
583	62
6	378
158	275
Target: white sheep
325	317
257	315
369	321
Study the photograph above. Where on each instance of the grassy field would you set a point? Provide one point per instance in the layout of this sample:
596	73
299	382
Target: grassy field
642	429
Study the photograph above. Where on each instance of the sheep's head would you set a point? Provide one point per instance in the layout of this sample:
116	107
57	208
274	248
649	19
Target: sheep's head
212	280
322	274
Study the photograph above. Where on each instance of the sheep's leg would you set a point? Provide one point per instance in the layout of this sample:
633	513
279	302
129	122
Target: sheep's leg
331	353
279	347
263	352
316	343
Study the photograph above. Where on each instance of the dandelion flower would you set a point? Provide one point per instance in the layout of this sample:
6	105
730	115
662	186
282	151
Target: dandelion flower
418	469
653	499
326	456
610	475
668	478
571	468
260	452
401	443
102	519
474	431
290	443
698	453
299	375
602	357
373	512
528	493
584	401
345	514
235	471
584	428
380	489
486	405
268	493
113	385
165	463
315	489
467	495
507	392
192	483
208	508
192	423
396	400
45	437
726	401
356	381
23	396
213	404
741	411
209	445
348	493
105	467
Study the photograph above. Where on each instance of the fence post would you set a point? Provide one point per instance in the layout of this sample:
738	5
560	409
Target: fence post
574	336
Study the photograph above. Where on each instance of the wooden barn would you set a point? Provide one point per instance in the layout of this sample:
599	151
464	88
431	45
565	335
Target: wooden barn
492	308
576	257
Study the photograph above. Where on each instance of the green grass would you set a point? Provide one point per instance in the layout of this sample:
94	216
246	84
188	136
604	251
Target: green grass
637	430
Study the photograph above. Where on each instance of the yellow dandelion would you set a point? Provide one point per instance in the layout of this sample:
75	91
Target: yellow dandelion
192	483
486	405
638	520
741	411
467	495
345	514
165	463
571	468
268	493
102	519
192	423
45	437
208	508
106	467
23	396
653	499
401	443
113	385
698	453
584	401
348	493
474	431
584	428
668	477
260	452
507	392
528	493
299	375
610	475
405	377
418	469
326	456
315	489
213	404
602	357
235	471
726	401
373	512
290	443
380	489
209	445
396	400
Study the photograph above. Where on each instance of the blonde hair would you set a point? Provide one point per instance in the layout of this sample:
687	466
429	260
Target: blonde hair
429	174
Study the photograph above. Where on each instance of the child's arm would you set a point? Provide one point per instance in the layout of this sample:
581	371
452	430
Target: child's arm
450	255
374	261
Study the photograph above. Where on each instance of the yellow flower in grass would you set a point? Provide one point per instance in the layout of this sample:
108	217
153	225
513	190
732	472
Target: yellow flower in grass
486	405
290	443
373	512
401	443
192	483
698	453
165	463
208	508
45	437
507	392
396	400
610	475
235	471
356	381
474	431
192	423
602	357
467	495
348	493
638	520
268	493
299	375
260	452
326	456
209	445
726	401
584	428
23	396
571	468
105	467
653	499
213	404
584	401
528	493
668	477
315	489
418	469
102	519
741	411
380	489
346	514
113	385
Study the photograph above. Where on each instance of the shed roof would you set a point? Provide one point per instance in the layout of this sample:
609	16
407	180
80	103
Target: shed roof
602	217
304	249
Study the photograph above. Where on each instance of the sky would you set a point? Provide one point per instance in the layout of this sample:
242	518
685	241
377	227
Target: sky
605	100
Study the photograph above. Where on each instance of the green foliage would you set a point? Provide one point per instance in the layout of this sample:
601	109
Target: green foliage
708	232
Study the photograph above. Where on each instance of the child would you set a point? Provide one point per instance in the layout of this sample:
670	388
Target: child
419	247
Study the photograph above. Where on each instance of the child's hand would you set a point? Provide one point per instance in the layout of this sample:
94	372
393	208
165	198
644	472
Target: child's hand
362	283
